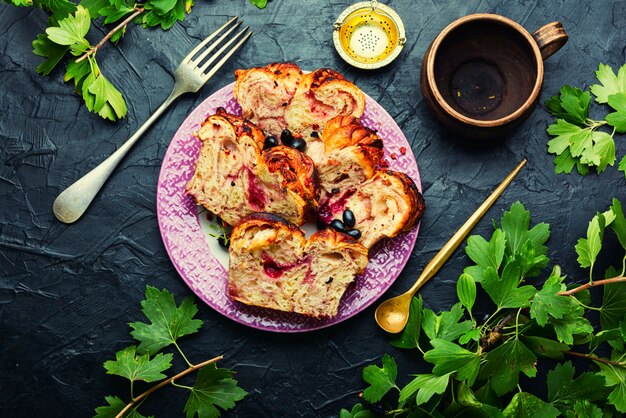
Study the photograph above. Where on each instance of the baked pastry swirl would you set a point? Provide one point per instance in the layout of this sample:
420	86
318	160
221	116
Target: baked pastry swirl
233	177
273	265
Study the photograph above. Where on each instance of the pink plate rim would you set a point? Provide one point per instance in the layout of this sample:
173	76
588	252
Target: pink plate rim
185	242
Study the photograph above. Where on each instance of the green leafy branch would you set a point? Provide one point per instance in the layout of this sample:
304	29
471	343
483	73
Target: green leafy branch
214	387
578	141
476	365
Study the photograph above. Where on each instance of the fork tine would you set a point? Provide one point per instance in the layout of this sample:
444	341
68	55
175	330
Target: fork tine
196	62
208	38
228	55
223	48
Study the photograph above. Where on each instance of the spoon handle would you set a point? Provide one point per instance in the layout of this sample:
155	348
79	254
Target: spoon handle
440	258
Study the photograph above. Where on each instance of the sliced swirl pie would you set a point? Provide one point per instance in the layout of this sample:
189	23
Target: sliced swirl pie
384	206
267	97
272	265
264	94
234	178
352	154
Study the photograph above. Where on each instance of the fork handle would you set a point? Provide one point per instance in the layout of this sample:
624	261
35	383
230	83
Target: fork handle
72	203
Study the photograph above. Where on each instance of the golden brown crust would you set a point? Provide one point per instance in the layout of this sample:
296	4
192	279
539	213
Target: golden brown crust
415	199
297	171
273	266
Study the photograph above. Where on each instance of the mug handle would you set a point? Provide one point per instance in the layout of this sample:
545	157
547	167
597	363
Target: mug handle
550	38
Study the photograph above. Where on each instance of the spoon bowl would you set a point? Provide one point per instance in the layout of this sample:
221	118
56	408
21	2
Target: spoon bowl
393	314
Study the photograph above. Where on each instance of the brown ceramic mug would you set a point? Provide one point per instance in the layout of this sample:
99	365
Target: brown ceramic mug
482	74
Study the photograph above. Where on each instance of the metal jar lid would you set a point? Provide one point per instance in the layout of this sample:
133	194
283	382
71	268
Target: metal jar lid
369	35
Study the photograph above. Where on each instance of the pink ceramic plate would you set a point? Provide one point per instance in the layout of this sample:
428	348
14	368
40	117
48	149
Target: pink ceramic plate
195	256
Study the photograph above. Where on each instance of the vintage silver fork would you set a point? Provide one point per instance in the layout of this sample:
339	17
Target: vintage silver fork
190	75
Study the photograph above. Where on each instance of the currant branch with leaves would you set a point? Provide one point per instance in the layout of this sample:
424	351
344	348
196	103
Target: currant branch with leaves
66	33
214	387
478	364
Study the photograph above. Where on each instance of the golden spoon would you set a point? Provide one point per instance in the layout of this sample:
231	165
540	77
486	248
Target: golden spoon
393	314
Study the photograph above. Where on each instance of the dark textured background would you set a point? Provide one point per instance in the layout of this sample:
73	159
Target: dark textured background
67	292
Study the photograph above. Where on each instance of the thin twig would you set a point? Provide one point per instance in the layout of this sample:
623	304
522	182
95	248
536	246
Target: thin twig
594	358
594	284
138	11
166	382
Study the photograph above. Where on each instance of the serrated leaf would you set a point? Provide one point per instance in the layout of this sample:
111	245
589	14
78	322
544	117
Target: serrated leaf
163	6
449	357
617	119
584	409
134	367
545	347
572	105
563	389
504	364
105	93
380	379
604	147
570	325
168	322
113	13
445	325
59	8
114	408
515	224
589	248
472	334
214	388
486	253
619	222
259	3
54	53
357	411
466	290
615	377
94	6
564	163
610	83
410	336
426	385
546	302
525	405
622	165
505	292
563	132
71	30
613	307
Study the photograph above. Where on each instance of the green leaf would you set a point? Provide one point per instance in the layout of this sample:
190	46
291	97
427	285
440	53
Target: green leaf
106	94
615	376
525	405
446	325
259	3
589	248
112	13
426	385
564	163
163	6
604	146
610	83
505	291
563	389
94	6
619	223
472	334
59	8
168	322
358	411
44	47
134	367
572	105
449	357
214	388
504	364
546	302
613	307
617	119
516	223
72	29
622	165
563	131
545	347
410	336
584	409
466	290
114	408
571	324
486	253
381	380
77	72
20	3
